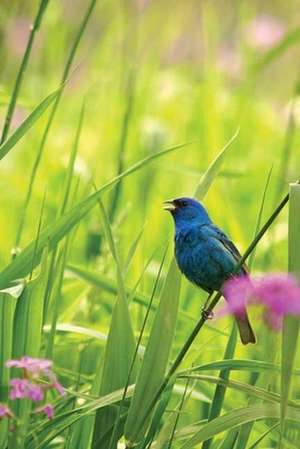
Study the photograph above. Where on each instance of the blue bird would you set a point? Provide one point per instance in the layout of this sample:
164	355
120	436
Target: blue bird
204	254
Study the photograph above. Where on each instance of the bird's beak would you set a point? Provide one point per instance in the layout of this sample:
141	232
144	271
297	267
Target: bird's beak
169	205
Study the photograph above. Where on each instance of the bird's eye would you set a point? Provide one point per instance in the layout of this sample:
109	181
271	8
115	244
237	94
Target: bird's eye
183	203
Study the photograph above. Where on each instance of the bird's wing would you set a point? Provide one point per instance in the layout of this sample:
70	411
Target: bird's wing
228	244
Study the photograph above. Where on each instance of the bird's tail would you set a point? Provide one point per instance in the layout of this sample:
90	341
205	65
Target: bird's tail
246	333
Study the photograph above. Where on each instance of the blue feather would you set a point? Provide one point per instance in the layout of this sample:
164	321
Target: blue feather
204	253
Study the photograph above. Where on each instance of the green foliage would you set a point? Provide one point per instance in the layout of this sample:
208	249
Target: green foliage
89	290
290	329
156	356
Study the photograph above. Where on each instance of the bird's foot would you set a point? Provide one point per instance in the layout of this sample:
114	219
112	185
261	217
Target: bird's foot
207	314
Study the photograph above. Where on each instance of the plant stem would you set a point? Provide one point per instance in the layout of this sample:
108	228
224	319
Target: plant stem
38	158
22	69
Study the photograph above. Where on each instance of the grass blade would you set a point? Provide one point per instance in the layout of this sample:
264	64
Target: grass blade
236	418
64	78
239	365
55	232
219	395
290	329
119	350
13	100
130	90
27	123
212	171
27	331
149	380
8	301
290	39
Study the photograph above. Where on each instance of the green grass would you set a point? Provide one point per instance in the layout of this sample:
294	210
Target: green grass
143	108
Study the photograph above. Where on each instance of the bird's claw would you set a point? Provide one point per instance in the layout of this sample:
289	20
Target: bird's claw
207	314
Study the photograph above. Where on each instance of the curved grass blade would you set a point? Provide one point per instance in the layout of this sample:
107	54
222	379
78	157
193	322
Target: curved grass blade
13	100
266	433
250	390
213	170
27	123
236	418
108	285
64	79
259	217
230	440
41	436
130	92
55	232
291	38
239	365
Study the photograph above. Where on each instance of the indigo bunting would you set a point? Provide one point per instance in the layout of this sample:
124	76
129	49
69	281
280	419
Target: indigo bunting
204	254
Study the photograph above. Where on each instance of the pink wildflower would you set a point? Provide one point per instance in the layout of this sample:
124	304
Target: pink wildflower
47	409
31	365
263	32
22	388
5	412
237	291
19	388
59	388
229	62
31	386
35	392
279	295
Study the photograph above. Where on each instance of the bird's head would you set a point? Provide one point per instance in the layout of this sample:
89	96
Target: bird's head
187	211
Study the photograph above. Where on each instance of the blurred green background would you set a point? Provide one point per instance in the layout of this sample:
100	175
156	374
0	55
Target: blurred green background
190	70
153	74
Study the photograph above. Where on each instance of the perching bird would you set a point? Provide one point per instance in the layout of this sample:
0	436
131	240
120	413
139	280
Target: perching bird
204	254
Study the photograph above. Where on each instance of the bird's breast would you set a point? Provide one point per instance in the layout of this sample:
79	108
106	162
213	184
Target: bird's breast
197	259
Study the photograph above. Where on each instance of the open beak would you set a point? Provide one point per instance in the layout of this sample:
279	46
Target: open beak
169	205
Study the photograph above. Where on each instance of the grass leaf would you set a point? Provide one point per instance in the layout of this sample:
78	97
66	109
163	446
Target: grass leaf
290	329
212	171
149	379
218	399
55	232
27	124
236	418
14	96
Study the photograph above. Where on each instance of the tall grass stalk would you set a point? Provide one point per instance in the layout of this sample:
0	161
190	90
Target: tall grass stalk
18	83
130	91
290	329
64	78
134	358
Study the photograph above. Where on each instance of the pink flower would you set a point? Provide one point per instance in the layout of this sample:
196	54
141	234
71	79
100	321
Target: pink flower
31	365
35	392
19	388
237	291
47	409
22	388
229	62
263	32
31	386
59	388
278	294
5	412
